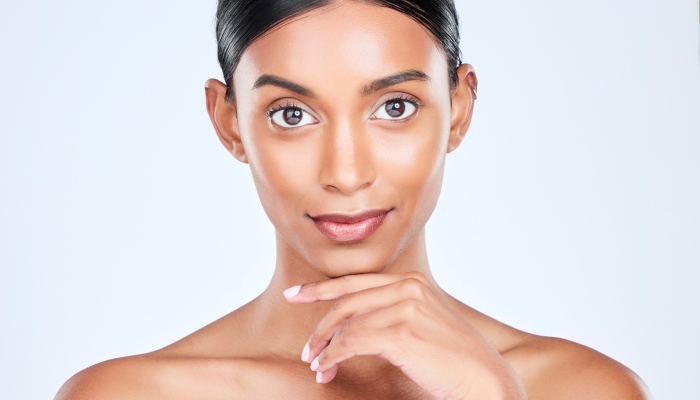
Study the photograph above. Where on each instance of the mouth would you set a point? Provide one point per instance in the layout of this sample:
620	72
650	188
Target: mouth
347	228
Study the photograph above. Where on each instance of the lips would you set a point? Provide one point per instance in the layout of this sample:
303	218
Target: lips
350	227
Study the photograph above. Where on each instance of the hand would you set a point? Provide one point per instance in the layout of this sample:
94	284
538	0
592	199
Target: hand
400	318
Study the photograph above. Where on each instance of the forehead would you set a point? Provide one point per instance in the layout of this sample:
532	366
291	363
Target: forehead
346	41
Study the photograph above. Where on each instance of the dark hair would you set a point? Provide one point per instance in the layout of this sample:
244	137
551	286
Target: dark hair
240	22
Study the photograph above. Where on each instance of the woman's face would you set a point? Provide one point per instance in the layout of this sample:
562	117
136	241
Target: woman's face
346	110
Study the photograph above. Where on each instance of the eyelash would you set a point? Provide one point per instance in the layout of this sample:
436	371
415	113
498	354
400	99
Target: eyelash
408	99
401	97
282	107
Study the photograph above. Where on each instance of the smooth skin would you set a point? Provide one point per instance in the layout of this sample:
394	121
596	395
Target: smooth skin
366	319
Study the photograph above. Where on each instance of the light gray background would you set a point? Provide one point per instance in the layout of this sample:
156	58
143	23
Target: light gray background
570	210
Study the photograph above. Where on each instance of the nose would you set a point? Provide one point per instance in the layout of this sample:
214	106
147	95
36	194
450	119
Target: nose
348	160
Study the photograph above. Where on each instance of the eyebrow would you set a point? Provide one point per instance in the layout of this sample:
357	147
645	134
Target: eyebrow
391	80
283	83
374	86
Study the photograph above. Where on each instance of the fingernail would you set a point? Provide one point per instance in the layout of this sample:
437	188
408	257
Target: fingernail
305	353
319	377
314	364
292	291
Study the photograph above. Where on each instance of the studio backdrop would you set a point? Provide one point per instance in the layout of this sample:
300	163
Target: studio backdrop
570	210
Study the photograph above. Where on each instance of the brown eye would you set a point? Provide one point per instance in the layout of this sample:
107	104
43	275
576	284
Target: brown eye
292	116
395	109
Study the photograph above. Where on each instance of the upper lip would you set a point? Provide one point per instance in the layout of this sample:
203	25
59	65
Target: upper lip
350	218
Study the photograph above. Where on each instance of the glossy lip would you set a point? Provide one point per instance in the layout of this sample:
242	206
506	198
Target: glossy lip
348	228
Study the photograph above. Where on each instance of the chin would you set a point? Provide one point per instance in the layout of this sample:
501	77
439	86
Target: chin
340	262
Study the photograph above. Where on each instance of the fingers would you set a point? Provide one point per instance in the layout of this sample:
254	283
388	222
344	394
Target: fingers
359	303
350	342
334	288
327	375
369	314
380	333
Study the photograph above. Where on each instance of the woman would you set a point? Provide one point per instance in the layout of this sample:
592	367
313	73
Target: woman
345	111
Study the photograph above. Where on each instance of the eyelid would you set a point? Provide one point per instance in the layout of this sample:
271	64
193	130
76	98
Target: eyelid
396	96
286	103
283	103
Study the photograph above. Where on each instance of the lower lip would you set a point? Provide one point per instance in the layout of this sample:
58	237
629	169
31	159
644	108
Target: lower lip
344	232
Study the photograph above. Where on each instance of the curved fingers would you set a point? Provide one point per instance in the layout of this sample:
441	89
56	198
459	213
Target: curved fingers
383	332
334	288
359	303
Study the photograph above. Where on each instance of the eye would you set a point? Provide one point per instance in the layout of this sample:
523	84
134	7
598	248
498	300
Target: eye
396	109
291	117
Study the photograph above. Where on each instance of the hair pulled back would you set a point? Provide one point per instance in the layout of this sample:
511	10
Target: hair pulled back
240	22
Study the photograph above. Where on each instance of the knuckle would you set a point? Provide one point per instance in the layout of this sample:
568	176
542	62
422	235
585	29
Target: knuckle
417	276
343	302
339	303
309	288
346	339
413	288
313	339
346	336
410	309
344	283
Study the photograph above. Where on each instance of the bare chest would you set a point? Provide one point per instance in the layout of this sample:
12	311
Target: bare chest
299	382
260	380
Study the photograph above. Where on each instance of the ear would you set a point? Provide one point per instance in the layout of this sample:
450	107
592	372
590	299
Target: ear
223	117
463	98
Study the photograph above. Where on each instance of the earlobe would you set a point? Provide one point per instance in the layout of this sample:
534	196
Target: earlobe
224	119
463	99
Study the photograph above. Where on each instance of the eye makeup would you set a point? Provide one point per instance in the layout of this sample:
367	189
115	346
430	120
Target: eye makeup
395	108
288	114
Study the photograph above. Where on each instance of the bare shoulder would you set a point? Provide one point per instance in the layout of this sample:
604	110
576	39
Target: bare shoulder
193	367
153	376
553	368
119	378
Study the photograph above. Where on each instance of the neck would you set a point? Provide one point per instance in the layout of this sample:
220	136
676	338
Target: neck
293	324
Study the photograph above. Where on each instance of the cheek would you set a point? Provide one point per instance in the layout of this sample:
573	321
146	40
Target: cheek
413	163
408	164
283	170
